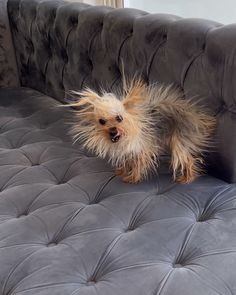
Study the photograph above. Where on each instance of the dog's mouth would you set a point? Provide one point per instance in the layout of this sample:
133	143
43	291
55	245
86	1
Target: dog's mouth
115	138
115	134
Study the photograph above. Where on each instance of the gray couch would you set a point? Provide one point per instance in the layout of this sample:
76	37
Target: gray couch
68	225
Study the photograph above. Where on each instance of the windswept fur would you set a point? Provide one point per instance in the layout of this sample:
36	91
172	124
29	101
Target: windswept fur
153	119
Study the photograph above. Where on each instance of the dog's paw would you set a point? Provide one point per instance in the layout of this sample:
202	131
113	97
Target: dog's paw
185	179
119	172
131	179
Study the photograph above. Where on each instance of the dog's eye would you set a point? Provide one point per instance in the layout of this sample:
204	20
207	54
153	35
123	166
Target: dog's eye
102	121
119	118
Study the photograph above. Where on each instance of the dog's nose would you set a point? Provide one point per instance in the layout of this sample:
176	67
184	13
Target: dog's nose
113	131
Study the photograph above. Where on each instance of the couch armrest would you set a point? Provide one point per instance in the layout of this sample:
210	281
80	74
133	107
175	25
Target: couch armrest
8	68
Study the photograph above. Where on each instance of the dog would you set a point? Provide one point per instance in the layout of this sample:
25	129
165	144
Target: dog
133	128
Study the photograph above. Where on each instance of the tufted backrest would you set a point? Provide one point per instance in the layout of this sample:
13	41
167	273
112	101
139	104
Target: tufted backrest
8	68
62	46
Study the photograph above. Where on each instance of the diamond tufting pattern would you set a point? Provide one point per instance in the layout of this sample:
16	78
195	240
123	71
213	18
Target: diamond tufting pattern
69	226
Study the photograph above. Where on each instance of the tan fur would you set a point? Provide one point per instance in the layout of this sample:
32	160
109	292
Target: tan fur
154	118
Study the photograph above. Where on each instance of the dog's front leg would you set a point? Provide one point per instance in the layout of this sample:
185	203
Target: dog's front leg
132	177
120	171
133	171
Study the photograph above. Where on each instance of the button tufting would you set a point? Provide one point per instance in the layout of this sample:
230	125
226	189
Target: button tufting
164	37
51	244
64	55
49	52
61	85
204	46
91	282
74	21
129	229
61	182
203	217
90	64
117	71
43	77
145	79
22	215
94	202
30	47
177	265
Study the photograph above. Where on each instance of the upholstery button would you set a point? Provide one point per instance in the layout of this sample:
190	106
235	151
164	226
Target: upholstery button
145	79
61	85
164	37
203	218
90	64
177	265
22	56
118	72
30	47
200	220
92	202
74	21
43	78
51	244
129	229
61	182
64	55
114	69
91	282
49	53
22	215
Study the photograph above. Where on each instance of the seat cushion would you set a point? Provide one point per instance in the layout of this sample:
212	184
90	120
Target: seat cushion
69	226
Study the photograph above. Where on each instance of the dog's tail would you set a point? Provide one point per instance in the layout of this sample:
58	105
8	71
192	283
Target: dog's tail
190	128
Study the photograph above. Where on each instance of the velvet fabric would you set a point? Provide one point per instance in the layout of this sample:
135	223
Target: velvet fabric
8	67
68	224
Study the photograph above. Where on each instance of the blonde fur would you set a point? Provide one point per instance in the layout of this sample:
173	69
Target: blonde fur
153	119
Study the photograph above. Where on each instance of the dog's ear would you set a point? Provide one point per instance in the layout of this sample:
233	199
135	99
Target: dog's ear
87	98
134	95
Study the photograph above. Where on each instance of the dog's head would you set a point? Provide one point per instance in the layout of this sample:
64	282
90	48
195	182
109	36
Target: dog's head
109	118
105	113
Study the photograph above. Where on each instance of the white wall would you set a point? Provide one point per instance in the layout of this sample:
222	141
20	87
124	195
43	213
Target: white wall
223	11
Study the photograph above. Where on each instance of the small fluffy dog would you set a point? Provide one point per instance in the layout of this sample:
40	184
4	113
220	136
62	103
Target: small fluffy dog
131	130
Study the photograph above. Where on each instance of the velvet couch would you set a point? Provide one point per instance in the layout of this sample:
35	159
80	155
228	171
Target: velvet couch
68	225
